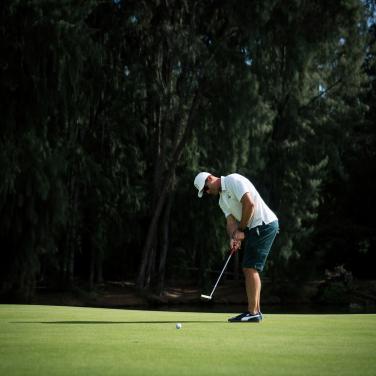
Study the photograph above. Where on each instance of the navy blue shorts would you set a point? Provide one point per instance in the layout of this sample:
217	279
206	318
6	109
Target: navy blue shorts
258	242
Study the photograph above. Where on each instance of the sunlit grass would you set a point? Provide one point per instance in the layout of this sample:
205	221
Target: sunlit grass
45	340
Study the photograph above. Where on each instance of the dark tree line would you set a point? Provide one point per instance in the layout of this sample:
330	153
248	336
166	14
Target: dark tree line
110	108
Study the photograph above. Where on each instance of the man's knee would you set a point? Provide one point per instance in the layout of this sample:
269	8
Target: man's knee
250	271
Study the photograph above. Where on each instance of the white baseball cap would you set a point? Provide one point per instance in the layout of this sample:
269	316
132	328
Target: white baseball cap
200	182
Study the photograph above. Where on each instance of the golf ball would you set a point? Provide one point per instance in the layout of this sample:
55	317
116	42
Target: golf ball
178	325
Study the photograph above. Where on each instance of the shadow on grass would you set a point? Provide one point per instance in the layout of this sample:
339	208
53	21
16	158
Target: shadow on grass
116	322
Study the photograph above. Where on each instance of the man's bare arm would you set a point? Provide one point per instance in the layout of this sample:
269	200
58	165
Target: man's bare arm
236	237
248	210
232	225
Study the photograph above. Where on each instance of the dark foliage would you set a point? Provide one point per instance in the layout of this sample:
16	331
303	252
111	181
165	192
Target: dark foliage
110	108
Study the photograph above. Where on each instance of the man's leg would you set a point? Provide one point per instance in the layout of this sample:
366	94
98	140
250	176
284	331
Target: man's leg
253	288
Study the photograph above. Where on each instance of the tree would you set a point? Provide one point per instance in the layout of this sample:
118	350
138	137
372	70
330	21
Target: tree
171	69
301	73
346	226
44	51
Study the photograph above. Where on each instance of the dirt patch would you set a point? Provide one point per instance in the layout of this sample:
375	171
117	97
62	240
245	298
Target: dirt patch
125	294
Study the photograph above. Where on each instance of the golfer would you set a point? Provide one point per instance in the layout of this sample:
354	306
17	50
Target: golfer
248	218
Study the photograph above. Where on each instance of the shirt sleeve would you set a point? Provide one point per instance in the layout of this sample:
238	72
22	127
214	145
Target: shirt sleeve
225	212
239	187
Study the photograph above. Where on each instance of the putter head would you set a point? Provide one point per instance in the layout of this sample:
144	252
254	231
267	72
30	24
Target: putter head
206	297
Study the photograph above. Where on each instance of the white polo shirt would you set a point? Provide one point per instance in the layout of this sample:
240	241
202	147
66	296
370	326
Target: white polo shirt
234	186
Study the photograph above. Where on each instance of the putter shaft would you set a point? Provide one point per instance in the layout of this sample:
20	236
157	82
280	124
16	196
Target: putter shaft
216	284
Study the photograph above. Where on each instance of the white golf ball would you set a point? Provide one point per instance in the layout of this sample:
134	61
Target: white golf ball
178	325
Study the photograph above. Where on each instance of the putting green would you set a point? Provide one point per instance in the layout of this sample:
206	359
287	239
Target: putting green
45	340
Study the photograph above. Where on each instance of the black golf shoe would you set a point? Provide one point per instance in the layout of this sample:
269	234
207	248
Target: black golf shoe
246	317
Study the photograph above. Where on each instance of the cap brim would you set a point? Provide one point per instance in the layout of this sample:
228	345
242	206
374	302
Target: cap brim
200	194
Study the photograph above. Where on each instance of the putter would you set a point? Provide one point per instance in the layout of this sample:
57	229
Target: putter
208	297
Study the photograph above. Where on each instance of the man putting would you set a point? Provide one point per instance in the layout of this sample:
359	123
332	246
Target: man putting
247	218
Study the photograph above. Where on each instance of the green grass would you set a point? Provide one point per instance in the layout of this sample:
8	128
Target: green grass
45	340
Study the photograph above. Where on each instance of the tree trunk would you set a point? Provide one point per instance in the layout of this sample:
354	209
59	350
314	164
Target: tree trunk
178	149
150	240
99	268
92	269
96	268
165	245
